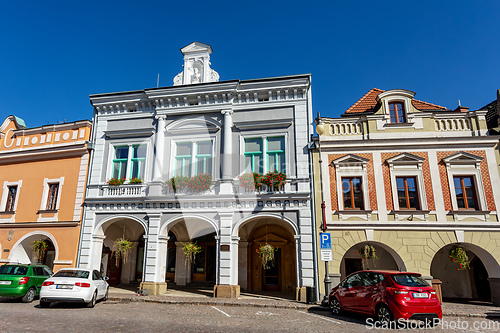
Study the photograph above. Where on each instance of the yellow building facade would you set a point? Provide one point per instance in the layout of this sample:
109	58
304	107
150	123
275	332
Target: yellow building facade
43	174
412	181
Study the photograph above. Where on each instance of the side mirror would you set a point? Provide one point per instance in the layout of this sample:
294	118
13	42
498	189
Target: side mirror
106	278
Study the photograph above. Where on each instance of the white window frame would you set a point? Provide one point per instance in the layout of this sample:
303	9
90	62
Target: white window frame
288	170
347	167
173	149
45	195
6	185
466	164
112	149
407	165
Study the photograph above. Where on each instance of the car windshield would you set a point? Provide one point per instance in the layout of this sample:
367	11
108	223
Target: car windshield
13	270
409	280
72	274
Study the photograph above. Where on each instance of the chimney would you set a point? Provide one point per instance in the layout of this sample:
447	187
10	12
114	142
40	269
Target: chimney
461	109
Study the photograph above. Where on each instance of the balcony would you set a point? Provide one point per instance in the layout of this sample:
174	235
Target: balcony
296	185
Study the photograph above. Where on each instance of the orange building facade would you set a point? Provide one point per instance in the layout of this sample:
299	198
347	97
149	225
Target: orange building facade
43	173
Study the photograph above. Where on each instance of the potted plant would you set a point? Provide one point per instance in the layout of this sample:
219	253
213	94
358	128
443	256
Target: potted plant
367	252
121	249
135	180
116	181
177	183
274	179
39	247
459	255
250	181
190	251
266	253
200	183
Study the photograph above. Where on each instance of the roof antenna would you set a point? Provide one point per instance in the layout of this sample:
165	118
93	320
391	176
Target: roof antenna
158	81
459	103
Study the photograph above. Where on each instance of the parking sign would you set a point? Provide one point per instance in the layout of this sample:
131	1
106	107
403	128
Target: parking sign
325	240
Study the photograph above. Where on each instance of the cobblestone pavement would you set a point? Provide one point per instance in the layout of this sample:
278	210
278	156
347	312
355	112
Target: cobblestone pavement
476	310
129	316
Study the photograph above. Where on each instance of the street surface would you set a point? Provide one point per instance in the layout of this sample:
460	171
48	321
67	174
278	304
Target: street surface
150	317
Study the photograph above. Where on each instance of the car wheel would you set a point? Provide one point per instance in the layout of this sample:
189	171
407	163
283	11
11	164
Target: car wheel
91	304
106	295
384	315
44	304
335	306
30	296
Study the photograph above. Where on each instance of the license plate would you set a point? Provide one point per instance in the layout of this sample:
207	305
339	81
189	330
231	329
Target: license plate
5	282
63	286
420	295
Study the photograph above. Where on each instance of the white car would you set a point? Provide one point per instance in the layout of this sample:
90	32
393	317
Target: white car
74	285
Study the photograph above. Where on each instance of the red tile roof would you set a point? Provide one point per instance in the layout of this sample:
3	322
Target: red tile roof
369	101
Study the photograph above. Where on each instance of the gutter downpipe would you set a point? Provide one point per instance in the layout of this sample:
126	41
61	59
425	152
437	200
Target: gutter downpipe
313	210
84	209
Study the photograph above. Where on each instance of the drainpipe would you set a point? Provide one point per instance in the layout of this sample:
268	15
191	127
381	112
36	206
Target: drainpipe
90	146
313	211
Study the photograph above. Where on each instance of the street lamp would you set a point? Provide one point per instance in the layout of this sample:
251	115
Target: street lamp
320	129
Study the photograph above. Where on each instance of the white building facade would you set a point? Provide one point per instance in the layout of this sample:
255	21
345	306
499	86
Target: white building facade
206	137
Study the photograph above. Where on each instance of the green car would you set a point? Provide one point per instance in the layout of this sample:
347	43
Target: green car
23	281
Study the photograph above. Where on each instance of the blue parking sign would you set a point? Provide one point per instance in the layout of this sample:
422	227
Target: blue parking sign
325	240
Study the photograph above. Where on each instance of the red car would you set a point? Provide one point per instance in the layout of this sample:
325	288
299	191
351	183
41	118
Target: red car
387	296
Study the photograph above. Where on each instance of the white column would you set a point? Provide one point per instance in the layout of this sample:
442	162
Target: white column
95	261
152	253
226	186
227	266
159	147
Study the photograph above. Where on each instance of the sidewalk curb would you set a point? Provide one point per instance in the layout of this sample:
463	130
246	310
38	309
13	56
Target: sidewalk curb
297	306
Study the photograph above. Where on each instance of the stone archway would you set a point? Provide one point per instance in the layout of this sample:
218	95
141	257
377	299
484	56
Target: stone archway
22	251
127	269
281	275
196	229
474	283
388	259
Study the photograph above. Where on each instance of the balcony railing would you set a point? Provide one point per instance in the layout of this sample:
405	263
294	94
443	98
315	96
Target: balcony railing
343	127
452	124
127	190
141	190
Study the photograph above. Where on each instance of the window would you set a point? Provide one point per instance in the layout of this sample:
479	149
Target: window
265	154
407	193
52	197
11	198
397	112
127	158
276	154
352	193
465	192
408	187
467	189
193	158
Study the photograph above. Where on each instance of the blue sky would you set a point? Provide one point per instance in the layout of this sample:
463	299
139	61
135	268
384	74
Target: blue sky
53	54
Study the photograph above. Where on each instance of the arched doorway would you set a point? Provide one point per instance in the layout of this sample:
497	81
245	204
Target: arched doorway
387	259
22	251
128	268
277	275
203	269
465	284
